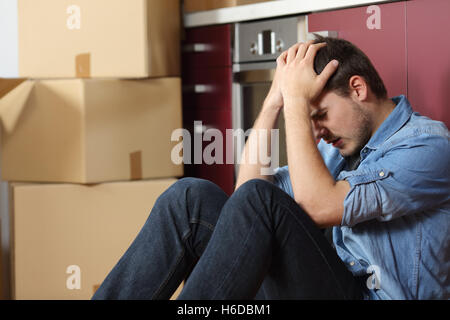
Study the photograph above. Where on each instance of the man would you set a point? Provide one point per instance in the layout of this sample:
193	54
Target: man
379	176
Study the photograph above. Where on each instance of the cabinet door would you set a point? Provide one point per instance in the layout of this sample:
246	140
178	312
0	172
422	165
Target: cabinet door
206	47
428	47
207	87
379	31
220	173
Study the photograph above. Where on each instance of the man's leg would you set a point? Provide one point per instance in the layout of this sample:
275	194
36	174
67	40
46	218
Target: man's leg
264	241
168	245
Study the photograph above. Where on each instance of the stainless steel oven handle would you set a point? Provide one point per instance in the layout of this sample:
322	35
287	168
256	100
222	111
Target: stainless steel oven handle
253	76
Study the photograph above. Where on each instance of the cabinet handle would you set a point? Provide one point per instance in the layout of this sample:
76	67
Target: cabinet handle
332	34
198	47
203	88
198	88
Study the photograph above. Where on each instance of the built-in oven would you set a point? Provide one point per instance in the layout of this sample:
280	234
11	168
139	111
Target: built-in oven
256	47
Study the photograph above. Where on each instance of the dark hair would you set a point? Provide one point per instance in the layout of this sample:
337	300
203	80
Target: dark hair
352	61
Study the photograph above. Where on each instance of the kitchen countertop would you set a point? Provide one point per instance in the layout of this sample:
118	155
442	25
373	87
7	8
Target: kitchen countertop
269	9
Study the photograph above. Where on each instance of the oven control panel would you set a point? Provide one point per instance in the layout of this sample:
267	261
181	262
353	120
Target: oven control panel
265	40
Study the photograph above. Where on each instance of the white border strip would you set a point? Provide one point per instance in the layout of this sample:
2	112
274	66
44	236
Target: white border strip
268	9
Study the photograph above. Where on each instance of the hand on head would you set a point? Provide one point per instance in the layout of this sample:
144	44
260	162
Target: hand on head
297	78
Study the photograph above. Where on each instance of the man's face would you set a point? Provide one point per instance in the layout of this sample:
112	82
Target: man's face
342	122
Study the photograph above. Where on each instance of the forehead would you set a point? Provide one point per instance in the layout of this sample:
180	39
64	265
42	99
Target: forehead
327	101
324	101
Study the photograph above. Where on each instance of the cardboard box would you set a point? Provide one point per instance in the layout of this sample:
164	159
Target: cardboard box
66	238
101	38
89	131
195	5
200	5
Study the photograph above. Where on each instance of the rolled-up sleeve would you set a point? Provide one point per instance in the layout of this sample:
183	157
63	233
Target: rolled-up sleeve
410	177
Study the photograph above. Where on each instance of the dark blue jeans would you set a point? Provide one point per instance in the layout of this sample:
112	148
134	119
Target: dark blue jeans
256	244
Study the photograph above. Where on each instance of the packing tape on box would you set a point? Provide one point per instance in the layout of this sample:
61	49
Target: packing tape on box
14	94
95	287
136	165
83	65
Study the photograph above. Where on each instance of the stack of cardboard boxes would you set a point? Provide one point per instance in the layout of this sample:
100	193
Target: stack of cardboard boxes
86	137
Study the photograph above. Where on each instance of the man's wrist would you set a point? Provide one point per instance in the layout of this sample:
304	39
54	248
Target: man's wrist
272	105
296	104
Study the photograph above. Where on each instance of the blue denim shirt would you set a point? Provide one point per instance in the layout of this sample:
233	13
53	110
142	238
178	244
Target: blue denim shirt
396	221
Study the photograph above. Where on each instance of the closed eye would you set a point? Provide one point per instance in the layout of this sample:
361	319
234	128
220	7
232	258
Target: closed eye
319	115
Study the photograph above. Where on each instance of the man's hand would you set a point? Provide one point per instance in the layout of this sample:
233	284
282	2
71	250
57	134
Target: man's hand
298	80
274	98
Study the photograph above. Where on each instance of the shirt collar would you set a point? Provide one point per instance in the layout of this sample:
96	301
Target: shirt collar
396	119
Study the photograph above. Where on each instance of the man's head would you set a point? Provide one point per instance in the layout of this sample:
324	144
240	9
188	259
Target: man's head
352	61
345	114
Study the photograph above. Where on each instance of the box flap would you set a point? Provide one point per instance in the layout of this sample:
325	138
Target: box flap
14	94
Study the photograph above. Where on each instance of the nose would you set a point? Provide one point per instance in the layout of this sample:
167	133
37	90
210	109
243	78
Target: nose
319	130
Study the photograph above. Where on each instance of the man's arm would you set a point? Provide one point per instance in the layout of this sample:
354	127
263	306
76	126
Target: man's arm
313	186
266	120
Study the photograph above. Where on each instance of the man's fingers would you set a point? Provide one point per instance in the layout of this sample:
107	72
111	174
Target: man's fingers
300	50
312	50
326	73
282	58
303	48
292	52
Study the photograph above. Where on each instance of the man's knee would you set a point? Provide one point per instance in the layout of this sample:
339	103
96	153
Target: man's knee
252	200
189	188
254	186
196	186
255	191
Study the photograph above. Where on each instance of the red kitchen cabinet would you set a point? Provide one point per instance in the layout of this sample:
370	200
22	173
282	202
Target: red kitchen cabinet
208	87
207	80
218	172
429	57
379	31
206	47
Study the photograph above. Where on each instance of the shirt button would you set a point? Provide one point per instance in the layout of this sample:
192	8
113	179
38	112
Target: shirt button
381	174
352	263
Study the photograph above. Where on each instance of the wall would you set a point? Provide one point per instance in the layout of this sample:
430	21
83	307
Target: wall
8	39
8	69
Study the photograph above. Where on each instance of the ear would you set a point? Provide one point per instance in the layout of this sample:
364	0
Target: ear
358	88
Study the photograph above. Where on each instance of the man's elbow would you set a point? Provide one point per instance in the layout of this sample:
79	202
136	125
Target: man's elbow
326	220
325	208
323	217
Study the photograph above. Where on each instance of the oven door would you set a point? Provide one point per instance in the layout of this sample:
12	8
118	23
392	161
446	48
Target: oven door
251	84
